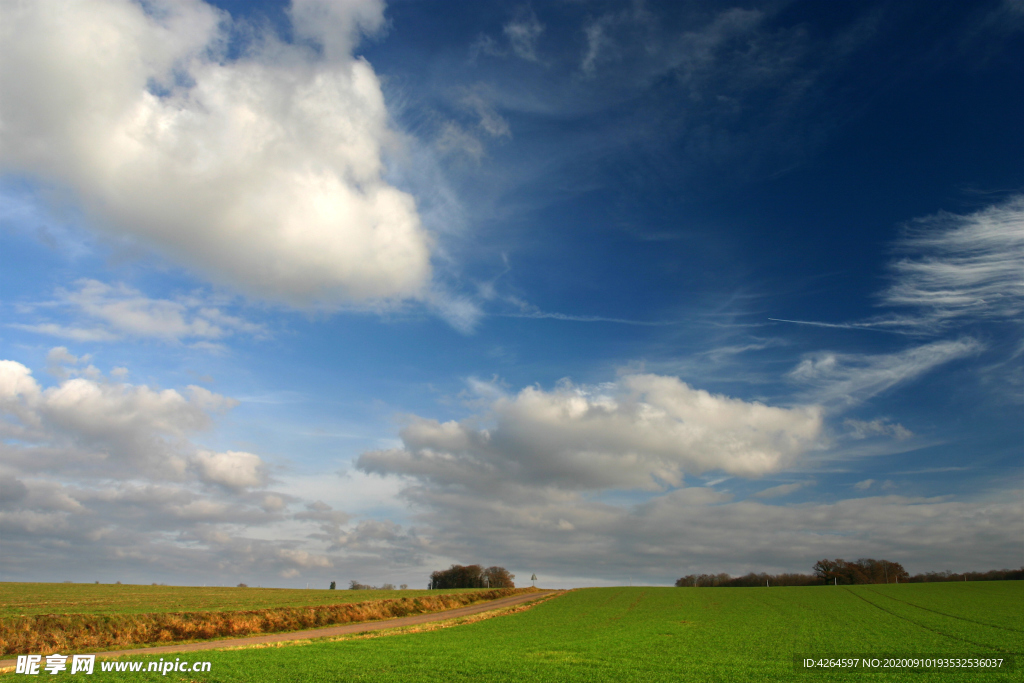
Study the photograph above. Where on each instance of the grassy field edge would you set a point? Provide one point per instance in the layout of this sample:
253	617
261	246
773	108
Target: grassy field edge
68	633
27	599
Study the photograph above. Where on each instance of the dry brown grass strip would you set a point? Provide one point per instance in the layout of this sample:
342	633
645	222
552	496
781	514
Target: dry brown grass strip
66	633
418	628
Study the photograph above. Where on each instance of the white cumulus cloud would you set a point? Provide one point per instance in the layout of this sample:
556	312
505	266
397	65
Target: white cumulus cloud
110	429
264	172
643	431
234	469
101	476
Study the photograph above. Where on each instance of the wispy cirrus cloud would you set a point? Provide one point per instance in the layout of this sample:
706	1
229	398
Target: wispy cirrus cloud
878	326
955	270
840	380
782	489
79	334
961	267
866	429
523	33
520	36
103	312
542	315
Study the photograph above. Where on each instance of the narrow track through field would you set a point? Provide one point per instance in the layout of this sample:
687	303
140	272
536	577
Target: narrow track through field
326	632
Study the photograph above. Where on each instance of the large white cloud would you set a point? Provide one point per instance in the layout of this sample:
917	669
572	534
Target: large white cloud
264	172
643	431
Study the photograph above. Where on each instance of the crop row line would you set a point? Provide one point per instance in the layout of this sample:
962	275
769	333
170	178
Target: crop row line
928	628
946	614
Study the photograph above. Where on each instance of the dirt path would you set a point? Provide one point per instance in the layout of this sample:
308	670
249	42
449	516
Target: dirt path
329	631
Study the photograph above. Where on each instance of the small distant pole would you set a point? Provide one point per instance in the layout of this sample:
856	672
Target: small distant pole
534	579
766	584
837	580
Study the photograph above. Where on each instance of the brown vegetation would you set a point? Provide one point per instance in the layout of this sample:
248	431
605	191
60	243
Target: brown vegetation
428	626
65	633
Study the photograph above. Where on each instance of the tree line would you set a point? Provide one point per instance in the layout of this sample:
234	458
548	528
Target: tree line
751	579
471	576
991	575
844	573
356	586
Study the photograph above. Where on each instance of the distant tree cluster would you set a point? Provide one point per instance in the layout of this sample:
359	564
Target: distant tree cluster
472	576
864	570
840	572
356	586
993	575
843	573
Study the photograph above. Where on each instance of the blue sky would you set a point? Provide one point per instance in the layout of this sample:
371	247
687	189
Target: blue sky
601	291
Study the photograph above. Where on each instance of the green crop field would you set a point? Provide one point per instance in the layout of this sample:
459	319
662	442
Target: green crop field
27	599
667	634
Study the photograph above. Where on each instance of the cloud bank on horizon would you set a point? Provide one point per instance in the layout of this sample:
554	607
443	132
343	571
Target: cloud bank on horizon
257	261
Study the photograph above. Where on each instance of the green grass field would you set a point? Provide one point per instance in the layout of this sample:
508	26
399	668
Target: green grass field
27	599
666	634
